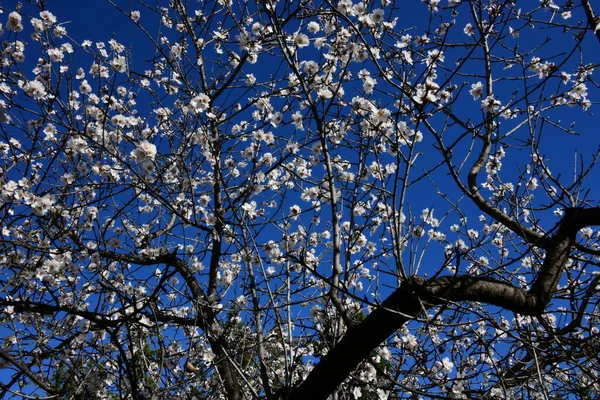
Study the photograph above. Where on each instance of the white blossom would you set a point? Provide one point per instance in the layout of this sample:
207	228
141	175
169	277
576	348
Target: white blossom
301	40
144	151
14	22
476	90
250	209
199	103
490	104
35	89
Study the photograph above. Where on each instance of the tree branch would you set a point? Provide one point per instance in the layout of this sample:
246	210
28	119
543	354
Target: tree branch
417	294
25	370
593	20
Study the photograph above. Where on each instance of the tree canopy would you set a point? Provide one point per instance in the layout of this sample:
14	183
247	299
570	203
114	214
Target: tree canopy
311	199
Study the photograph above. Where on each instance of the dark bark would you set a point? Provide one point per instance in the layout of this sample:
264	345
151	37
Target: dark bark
416	295
207	315
25	370
593	20
358	343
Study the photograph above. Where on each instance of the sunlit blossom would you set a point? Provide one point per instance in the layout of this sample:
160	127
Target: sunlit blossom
476	90
35	89
490	104
301	40
135	16
144	151
228	192
15	22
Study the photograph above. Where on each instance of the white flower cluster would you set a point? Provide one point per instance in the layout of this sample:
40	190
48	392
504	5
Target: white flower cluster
145	151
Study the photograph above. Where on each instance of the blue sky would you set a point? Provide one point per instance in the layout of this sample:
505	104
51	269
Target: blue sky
98	21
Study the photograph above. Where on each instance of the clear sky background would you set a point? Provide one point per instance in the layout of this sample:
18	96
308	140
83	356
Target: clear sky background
97	20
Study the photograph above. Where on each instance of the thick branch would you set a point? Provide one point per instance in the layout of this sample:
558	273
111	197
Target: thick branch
207	316
218	345
475	195
416	294
25	370
357	343
593	20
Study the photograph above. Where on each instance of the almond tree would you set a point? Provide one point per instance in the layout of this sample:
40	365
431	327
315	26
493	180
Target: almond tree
300	200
